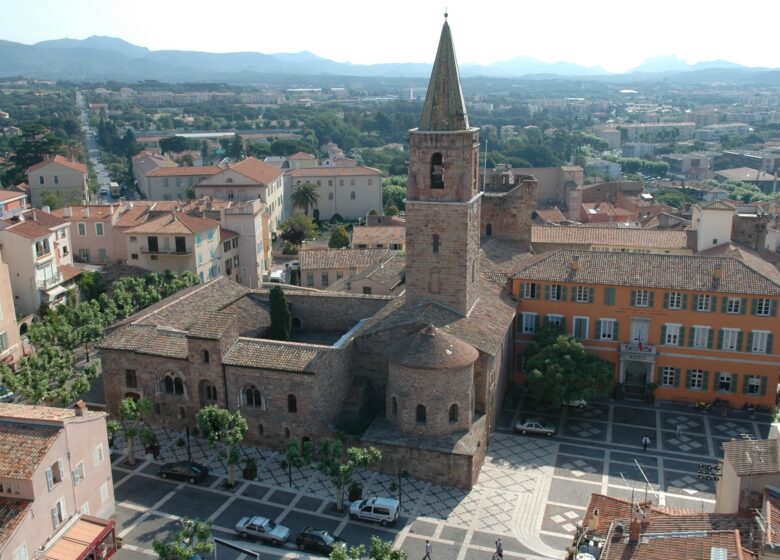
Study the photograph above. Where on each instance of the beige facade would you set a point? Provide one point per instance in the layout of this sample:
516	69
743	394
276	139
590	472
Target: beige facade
351	192
10	345
60	468
92	232
321	268
58	175
171	183
250	223
553	183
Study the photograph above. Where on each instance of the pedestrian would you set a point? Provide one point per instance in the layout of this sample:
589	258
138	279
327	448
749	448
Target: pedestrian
428	550
645	443
499	549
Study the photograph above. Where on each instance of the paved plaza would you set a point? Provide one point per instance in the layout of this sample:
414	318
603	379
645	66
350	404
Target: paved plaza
532	491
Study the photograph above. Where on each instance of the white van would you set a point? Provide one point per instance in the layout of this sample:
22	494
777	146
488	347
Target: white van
379	510
276	277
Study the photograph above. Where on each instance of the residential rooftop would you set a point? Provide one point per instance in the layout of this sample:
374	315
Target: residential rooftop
342	258
619	237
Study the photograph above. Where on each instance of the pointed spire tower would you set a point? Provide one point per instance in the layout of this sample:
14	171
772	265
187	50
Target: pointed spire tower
442	199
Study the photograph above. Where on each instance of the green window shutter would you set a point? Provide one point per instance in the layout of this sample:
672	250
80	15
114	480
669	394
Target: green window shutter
677	377
739	341
773	312
685	301
750	341
536	323
633	298
574	293
706	381
688	378
547	291
745	384
743	306
734	382
713	303
563	323
563	293
769	343
691	336
724	302
720	339
695	302
659	376
616	332
598	329
753	306
590	295
522	290
763	385
609	296
666	300
710	336
519	322
651	300
663	335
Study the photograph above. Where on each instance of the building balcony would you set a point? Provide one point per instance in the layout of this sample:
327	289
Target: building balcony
51	282
166	251
638	348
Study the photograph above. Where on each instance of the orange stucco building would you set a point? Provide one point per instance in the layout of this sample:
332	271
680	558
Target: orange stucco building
699	327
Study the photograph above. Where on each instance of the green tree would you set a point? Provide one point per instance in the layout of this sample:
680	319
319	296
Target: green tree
89	324
174	144
281	319
296	458
35	143
391	209
393	192
339	468
380	550
339	238
220	425
52	199
193	540
132	422
297	228
559	369
236	148
48	377
305	197
91	284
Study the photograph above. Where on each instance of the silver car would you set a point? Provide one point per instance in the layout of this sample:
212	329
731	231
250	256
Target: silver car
263	529
534	426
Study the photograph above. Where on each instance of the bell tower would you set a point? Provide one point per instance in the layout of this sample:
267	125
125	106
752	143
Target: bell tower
442	198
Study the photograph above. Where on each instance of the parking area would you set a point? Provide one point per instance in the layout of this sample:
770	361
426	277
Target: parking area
532	490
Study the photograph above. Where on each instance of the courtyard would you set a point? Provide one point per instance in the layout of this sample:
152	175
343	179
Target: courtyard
532	491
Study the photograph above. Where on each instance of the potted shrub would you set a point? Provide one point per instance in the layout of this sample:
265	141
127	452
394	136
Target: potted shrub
151	445
355	491
250	469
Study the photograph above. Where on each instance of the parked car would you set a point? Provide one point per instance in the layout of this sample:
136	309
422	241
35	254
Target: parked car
184	470
263	529
318	540
577	403
381	510
534	426
6	395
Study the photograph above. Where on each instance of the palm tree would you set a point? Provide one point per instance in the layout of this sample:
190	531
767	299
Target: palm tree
305	196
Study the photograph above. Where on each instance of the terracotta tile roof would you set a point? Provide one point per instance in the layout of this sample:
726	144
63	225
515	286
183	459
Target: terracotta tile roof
752	457
342	258
45	219
300	155
752	259
389	274
623	237
175	222
432	348
274	355
6	196
132	217
148	161
335	172
553	215
10	411
76	166
257	170
701	545
211	325
744	174
205	171
68	271
30	230
716	205
24	446
674	272
373	235
604	208
147	339
97	212
225	234
12	513
21	187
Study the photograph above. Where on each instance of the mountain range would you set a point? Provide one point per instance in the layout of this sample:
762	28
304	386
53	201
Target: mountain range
108	58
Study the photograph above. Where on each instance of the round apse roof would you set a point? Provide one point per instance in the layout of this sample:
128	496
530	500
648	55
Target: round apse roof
432	348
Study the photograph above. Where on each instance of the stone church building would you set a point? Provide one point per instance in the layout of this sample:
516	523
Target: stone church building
422	374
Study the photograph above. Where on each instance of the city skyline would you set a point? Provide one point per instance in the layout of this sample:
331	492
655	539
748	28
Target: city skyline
604	35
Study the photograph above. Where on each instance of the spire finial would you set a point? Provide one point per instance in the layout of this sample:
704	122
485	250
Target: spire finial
445	12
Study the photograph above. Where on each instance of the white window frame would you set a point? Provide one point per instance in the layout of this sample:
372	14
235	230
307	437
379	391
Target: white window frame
59	506
759	342
85	508
668	375
21	553
3	341
675	300
765	305
581	294
754	385
556	292
528	322
642	298
733	305
722	377
610	331
672	337
574	326
730	335
104	493
700	302
97	455
701	335
530	290
555	319
697	379
78	473
81	228
100	229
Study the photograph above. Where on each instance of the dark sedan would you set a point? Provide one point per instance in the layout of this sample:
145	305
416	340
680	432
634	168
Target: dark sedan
318	540
184	470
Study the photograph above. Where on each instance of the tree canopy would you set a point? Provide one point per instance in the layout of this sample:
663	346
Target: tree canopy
339	238
305	197
220	425
297	228
193	540
281	320
339	468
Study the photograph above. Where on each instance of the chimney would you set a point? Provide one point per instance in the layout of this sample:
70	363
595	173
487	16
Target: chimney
717	272
634	531
575	263
80	407
46	209
67	212
111	210
86	211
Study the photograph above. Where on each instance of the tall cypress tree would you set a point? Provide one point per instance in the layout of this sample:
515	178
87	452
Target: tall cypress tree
281	320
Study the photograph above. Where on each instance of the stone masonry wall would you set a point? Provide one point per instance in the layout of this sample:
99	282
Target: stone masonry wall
509	214
460	162
332	313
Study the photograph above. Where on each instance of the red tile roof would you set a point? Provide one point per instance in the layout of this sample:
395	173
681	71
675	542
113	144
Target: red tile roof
601	236
175	222
132	216
76	166
225	234
68	272
257	170
335	172
300	155
97	212
9	412
30	230
205	171
12	513
45	219
24	446
6	196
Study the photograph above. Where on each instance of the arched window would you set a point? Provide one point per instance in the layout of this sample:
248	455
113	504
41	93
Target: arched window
260	429
168	384
489	230
292	404
394	405
435	242
178	386
453	414
250	395
208	392
421	417
437	172
205	356
287	433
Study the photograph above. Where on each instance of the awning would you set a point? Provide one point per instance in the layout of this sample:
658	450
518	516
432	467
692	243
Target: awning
88	536
55	292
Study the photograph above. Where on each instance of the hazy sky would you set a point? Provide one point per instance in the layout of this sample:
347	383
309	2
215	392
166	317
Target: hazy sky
616	34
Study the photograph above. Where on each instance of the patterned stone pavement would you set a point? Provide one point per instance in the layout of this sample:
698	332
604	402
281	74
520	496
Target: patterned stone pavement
532	491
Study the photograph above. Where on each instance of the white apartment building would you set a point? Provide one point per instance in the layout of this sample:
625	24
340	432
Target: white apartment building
351	192
59	175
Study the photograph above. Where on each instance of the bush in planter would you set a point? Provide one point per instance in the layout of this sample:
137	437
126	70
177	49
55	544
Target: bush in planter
336	218
151	445
355	491
289	249
250	469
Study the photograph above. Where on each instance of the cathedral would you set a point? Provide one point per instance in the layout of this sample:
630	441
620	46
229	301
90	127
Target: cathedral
420	375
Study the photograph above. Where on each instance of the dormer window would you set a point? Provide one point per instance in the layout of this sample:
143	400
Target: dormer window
437	172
